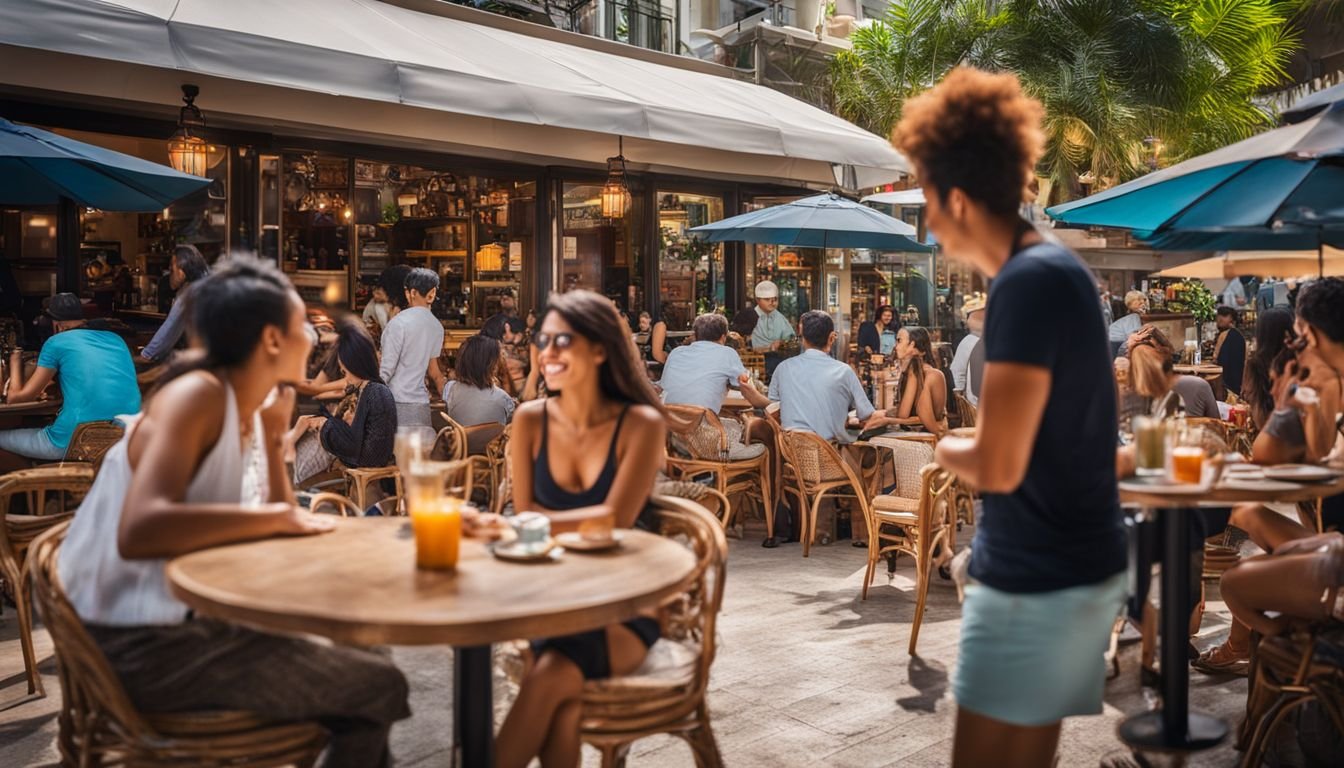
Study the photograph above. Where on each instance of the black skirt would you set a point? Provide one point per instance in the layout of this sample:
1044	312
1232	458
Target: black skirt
588	650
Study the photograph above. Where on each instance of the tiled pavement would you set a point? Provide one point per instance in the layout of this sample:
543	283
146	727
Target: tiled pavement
807	674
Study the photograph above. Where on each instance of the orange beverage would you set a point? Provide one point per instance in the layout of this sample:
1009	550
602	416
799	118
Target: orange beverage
1187	464
438	533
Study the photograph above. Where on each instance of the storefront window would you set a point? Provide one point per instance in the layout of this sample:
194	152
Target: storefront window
690	270
600	254
797	272
343	221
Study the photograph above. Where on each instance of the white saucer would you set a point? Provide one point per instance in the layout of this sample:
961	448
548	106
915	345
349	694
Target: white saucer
516	554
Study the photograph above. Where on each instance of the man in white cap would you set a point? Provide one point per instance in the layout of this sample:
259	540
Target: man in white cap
772	328
967	381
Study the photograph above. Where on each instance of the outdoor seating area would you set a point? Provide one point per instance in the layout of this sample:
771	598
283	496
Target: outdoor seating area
883	406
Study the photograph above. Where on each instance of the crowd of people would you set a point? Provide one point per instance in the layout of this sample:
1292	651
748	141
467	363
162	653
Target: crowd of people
216	452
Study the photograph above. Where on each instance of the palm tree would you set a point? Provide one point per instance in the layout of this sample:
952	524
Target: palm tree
1121	80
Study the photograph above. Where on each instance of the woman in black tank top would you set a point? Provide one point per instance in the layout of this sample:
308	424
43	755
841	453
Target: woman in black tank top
587	457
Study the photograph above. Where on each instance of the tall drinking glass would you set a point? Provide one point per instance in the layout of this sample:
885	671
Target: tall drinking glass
1150	446
436	518
408	449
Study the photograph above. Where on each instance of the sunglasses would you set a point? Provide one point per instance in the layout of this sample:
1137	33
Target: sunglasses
561	341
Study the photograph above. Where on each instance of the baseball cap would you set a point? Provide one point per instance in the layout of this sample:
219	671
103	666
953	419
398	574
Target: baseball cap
65	307
766	289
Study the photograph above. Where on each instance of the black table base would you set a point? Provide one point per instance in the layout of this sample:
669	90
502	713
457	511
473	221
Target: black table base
473	708
1174	727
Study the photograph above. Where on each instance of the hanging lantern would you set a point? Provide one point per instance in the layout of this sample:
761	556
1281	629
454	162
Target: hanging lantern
188	152
616	192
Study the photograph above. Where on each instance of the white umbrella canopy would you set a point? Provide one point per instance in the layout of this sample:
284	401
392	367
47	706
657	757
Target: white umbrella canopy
1261	264
907	197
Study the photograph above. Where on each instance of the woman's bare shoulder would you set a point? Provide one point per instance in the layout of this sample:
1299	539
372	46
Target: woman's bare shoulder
646	417
529	413
200	391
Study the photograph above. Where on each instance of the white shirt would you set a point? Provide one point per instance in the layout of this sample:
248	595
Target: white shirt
106	589
961	365
410	341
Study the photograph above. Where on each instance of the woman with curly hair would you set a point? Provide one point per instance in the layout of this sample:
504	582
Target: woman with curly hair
1048	559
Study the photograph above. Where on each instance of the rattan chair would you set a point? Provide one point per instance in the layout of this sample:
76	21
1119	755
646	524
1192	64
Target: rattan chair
699	445
666	695
966	413
92	440
916	522
63	484
480	443
100	726
1289	672
358	481
820	471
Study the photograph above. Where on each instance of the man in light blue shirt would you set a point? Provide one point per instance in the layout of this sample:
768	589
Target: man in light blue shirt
702	372
186	267
815	391
772	327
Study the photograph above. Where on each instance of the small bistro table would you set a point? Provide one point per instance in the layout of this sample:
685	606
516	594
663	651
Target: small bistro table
1174	726
359	585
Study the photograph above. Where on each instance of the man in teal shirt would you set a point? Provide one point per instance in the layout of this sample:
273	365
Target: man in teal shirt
96	376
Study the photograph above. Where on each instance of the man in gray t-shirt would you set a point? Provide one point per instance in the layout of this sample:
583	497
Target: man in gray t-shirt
412	343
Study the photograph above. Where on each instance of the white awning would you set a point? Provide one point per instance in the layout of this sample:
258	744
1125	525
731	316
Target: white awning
480	85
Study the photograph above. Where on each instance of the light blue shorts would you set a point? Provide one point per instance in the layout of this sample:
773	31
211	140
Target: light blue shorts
32	443
1037	658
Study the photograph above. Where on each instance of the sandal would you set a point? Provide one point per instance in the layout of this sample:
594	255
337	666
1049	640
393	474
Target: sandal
1218	660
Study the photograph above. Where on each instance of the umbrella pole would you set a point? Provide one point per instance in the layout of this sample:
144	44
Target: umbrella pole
67	246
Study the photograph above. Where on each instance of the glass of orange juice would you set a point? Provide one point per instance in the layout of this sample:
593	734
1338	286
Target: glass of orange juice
438	534
1187	454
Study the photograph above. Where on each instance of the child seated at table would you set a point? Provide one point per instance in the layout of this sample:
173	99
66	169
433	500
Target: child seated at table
201	467
599	396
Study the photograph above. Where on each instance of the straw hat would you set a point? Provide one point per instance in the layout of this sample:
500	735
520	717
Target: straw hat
974	302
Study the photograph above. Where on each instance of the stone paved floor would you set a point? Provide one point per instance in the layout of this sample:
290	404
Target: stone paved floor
806	675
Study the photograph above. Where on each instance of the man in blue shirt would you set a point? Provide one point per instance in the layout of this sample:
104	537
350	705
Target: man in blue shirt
96	376
186	267
815	391
702	372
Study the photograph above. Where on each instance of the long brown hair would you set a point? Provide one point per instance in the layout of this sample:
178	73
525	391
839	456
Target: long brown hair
621	376
924	346
1150	362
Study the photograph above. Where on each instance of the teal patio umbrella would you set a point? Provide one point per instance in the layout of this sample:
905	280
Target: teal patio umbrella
821	221
39	168
1279	190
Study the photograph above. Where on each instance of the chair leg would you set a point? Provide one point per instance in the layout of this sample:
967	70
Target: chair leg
1269	723
809	526
704	746
921	596
873	557
24	603
613	755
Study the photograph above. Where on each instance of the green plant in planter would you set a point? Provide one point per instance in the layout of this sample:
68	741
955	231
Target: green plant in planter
391	214
1200	301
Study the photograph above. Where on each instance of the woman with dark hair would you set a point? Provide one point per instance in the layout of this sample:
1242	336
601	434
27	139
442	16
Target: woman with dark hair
474	397
878	336
652	340
201	467
1049	557
361	431
922	385
1273	330
599	397
186	267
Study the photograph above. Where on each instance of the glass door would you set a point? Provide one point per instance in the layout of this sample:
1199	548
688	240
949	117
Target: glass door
690	270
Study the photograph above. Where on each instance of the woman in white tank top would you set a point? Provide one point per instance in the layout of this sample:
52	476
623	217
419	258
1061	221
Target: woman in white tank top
201	467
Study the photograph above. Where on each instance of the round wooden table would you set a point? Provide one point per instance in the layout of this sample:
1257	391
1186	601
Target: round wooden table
1174	726
734	401
48	407
359	585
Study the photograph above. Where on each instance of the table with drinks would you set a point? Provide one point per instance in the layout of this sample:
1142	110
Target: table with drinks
389	580
1179	468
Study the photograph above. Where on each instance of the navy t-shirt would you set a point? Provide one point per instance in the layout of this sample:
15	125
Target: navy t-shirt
1062	527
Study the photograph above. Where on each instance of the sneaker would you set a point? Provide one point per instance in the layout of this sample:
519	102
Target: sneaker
1219	660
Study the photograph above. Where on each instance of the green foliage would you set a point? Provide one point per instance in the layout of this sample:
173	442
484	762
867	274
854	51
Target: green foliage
1199	301
1125	83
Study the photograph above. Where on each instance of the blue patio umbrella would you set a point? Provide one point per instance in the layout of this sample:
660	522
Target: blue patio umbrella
821	221
1279	190
38	168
